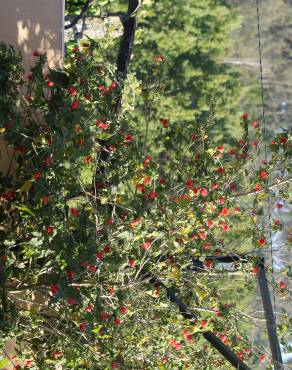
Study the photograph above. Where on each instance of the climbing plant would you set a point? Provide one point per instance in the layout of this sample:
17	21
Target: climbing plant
91	212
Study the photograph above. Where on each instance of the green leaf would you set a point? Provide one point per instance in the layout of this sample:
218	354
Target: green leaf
25	209
3	363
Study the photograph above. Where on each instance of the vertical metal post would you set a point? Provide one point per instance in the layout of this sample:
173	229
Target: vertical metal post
270	318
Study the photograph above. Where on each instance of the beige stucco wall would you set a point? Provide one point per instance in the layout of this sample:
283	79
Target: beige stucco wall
31	25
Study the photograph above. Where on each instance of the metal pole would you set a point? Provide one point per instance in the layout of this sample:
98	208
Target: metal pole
270	318
189	315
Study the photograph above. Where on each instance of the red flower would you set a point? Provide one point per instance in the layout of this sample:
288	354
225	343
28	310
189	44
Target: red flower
152	194
48	161
162	181
232	152
50	83
70	275
262	358
128	138
131	262
117	321
247	351
190	184
141	188
282	285
74	212
82	326
107	249
54	288
175	344
245	116
89	308
88	159
210	224
224	339
123	310
99	255
221	199
204	192
187	335
72	90
258	187
263	174
196	191
92	268
37	176
203	323
164	360
111	290
146	245
56	354
262	242
49	230
208	264
283	140
224	212
104	316
72	301
114	365
80	141
46	200
102	125
164	122
136	222
113	85
36	53
224	226
147	180
220	148
74	105
147	161
221	170
203	235
279	205
75	49
160	58
255	124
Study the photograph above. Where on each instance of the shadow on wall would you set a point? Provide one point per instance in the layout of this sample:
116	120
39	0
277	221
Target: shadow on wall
33	25
30	25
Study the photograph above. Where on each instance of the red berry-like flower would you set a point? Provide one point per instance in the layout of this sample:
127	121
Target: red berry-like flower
128	138
147	180
255	270
232	152
263	174
187	335
208	264
72	90
160	58
99	255
56	354
220	148
54	288
245	116
50	83
131	262
74	212
123	310
258	187
221	170
262	242
104	316
89	308
74	105
49	230
36	53
190	184
117	321
164	122
136	222
82	326
147	161
141	188
107	249
203	191
37	176
224	212
203	323
152	194
114	365
255	124
282	285
72	301
146	245
262	358
175	344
